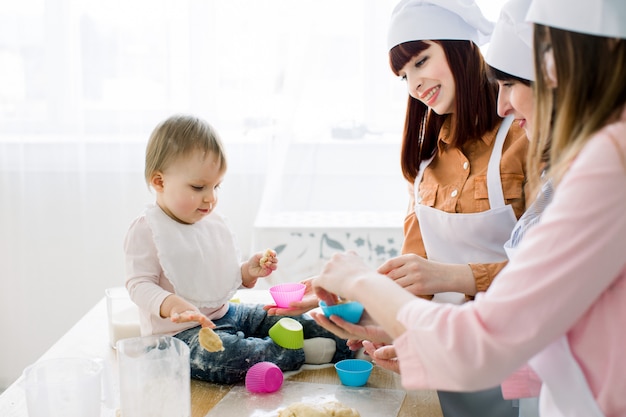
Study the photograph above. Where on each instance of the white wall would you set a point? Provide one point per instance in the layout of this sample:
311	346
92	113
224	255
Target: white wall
332	196
65	208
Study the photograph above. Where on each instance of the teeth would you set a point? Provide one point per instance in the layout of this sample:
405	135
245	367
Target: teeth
431	94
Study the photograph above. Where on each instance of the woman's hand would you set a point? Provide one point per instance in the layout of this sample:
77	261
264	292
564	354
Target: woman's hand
349	277
338	276
366	329
421	276
383	355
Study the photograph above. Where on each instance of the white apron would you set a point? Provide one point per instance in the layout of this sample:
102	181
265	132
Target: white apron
469	237
531	217
529	407
564	392
465	238
563	380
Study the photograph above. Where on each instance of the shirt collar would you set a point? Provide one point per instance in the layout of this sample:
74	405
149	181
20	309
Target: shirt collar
487	138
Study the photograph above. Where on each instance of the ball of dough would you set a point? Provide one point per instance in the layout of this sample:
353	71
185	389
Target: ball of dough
265	259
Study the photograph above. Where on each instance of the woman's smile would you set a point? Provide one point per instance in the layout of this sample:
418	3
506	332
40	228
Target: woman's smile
430	96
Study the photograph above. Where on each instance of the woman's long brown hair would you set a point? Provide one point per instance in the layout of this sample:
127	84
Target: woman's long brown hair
476	103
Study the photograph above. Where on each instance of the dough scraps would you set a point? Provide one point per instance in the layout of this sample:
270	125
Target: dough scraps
328	409
265	259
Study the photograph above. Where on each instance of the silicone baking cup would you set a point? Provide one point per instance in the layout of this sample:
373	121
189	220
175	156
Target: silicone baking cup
354	372
283	294
264	377
287	333
349	311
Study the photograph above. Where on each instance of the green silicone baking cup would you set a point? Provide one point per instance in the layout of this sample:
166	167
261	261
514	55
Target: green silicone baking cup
287	333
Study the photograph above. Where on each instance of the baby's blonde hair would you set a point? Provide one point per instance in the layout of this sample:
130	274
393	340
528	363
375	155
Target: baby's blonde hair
178	136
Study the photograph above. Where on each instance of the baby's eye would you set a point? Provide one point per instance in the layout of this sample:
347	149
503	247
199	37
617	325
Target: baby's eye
197	187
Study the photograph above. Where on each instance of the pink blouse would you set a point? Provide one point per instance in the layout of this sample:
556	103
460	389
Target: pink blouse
568	277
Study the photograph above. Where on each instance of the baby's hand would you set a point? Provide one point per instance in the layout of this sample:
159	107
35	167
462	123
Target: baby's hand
192	315
262	264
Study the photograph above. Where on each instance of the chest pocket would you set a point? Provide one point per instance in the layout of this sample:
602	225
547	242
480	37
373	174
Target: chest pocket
428	192
512	187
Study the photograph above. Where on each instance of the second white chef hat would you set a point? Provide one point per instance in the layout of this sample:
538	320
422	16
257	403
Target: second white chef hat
510	49
418	20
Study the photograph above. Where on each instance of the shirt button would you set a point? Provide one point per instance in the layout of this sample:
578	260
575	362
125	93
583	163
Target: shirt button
465	165
454	193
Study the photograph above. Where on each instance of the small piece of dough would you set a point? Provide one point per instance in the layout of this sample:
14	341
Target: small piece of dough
209	340
329	409
266	257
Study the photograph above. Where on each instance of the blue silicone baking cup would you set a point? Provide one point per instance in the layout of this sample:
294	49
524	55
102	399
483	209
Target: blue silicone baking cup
354	372
350	311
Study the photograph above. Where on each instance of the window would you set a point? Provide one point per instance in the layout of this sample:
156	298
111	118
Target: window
85	68
315	69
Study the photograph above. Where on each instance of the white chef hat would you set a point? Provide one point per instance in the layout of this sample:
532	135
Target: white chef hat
510	48
418	20
597	17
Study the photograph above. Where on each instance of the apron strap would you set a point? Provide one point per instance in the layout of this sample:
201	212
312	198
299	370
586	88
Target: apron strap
416	184
494	181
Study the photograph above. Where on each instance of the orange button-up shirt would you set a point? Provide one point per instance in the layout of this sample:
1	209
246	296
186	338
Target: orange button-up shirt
456	182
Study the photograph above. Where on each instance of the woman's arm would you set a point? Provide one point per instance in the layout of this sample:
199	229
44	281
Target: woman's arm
541	294
421	276
564	263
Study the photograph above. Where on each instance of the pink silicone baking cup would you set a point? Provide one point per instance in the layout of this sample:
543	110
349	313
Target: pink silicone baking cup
264	377
283	294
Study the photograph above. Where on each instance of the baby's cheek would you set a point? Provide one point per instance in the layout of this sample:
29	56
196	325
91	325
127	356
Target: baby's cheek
190	203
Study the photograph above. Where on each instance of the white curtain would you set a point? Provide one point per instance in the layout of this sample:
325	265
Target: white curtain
300	92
